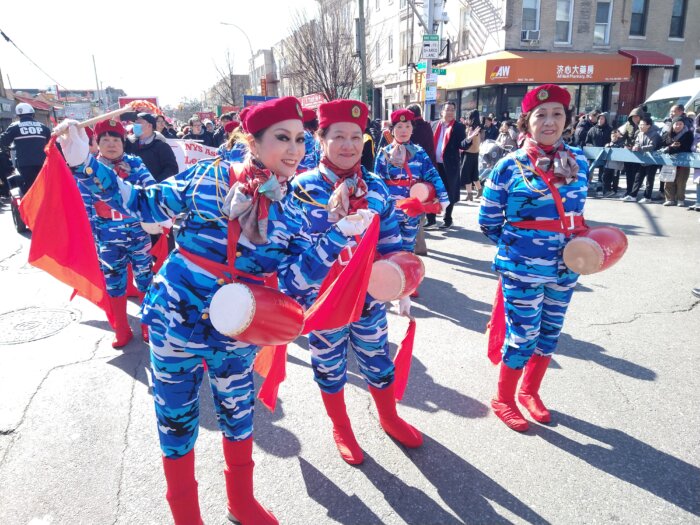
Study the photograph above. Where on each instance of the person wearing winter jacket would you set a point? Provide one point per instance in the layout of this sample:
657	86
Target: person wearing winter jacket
679	139
629	132
145	142
611	175
647	139
583	126
599	135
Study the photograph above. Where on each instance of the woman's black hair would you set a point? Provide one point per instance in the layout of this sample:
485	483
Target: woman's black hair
110	134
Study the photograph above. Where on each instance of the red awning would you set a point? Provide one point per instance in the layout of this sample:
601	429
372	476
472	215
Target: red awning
36	104
648	58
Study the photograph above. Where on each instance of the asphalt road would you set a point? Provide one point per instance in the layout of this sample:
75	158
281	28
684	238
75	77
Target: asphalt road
78	441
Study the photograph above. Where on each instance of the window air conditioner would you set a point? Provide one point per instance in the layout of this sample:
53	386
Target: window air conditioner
529	35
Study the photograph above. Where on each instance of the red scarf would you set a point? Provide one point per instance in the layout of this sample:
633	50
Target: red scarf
555	160
251	214
446	139
356	187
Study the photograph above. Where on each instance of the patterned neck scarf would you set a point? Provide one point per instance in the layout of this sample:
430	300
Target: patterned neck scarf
349	189
554	160
118	165
401	153
249	199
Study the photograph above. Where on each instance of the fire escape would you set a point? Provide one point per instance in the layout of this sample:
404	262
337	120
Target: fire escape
484	22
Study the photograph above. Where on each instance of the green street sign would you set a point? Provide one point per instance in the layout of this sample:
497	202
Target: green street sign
428	38
438	71
421	66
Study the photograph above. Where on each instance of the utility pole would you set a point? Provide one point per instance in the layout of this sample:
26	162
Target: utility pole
363	51
429	61
97	84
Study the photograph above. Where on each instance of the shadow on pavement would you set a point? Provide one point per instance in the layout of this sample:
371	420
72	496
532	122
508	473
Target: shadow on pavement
413	505
465	489
422	391
271	438
341	507
583	350
635	229
630	460
443	301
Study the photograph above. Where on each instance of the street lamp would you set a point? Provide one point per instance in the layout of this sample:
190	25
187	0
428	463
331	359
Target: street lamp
251	69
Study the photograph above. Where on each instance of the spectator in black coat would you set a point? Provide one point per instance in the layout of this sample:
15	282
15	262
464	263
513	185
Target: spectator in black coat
164	128
150	145
599	135
198	133
448	136
489	129
422	132
583	126
220	134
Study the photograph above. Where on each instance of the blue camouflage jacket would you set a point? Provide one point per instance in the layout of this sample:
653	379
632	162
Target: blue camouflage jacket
510	195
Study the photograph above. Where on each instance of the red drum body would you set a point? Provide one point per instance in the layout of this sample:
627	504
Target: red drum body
423	191
395	276
256	314
595	250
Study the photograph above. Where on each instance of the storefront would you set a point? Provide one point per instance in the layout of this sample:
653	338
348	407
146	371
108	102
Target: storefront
497	83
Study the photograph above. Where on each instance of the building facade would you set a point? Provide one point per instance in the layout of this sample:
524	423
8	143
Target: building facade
610	54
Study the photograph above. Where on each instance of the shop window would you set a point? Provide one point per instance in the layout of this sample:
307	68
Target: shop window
564	19
468	101
638	22
603	15
671	74
531	15
678	18
390	48
591	97
488	99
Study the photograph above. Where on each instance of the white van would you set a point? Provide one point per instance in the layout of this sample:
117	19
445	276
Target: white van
684	92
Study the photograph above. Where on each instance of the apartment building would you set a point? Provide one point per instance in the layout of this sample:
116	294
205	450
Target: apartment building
610	54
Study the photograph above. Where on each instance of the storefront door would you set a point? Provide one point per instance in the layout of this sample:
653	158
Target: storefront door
512	98
632	93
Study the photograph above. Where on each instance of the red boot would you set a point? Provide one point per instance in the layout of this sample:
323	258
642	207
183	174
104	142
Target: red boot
390	420
122	329
529	395
243	508
343	435
182	489
504	403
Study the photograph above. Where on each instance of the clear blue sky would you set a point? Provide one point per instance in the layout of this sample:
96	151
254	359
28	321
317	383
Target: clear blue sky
166	49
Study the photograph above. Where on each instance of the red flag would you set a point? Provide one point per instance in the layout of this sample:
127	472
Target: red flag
496	328
402	361
159	251
413	207
62	242
342	300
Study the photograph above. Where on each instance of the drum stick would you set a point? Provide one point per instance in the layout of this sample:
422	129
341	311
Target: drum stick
100	118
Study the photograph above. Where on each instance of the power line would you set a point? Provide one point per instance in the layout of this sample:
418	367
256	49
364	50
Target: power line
9	40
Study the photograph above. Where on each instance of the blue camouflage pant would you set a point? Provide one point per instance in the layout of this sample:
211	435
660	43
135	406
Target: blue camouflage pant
178	371
119	244
368	338
408	226
534	317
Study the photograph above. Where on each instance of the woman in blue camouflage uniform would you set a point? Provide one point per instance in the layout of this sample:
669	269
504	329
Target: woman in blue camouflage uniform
234	149
337	187
177	305
401	164
533	202
312	150
120	238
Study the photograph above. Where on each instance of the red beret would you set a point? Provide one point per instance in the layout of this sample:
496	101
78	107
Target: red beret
343	110
309	114
231	125
545	93
262	116
109	125
402	115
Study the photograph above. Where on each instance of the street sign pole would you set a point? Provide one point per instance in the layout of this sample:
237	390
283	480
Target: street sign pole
427	114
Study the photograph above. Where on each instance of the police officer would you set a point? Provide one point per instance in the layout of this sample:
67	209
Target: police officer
30	138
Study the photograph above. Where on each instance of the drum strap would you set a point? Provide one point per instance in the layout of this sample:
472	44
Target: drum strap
567	224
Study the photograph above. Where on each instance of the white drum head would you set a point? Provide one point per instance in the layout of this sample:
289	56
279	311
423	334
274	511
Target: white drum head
232	309
583	255
420	191
387	281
